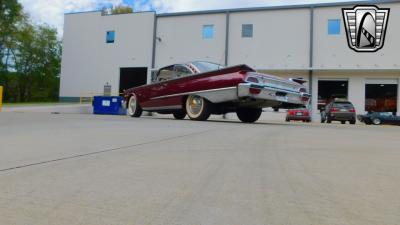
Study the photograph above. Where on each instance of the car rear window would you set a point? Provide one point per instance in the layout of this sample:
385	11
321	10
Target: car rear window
207	66
386	114
343	105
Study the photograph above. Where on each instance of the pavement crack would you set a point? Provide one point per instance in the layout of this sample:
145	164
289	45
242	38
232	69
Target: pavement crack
121	148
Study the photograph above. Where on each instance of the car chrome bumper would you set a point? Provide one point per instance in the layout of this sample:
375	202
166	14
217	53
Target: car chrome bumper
273	94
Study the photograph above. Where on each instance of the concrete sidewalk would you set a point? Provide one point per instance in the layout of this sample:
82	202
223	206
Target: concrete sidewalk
58	108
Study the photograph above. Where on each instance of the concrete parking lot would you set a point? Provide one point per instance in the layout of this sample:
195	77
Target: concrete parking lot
70	169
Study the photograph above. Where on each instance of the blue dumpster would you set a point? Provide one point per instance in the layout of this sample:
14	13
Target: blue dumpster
108	105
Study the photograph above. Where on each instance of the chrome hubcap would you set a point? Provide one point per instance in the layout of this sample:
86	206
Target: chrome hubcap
195	105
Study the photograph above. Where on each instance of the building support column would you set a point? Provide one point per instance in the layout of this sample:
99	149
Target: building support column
311	62
227	37
314	97
356	92
153	56
398	96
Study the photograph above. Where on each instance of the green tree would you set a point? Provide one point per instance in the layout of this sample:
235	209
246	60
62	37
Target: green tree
37	58
10	14
121	9
30	56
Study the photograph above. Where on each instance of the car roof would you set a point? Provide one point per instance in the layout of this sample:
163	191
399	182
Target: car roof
342	101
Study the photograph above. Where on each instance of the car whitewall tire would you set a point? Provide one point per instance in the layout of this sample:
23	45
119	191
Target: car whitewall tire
197	108
134	109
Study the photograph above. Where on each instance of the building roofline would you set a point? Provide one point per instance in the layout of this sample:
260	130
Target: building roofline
253	9
92	11
99	11
279	7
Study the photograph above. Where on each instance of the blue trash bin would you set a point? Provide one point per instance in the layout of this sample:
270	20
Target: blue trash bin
108	105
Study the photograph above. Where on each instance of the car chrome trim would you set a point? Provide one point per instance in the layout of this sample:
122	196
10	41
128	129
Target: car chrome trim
275	88
270	77
194	92
162	107
269	93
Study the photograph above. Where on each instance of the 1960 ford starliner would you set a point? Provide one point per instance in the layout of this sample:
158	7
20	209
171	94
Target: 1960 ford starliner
199	89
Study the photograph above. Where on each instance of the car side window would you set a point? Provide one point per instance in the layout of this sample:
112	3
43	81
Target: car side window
182	71
166	73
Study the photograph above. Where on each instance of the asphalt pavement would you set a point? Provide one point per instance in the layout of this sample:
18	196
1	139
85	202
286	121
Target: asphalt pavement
72	169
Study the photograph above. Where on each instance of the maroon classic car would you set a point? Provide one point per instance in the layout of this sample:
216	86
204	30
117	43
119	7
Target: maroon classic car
199	89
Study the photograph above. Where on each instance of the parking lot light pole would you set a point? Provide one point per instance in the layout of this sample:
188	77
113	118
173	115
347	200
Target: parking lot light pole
1	97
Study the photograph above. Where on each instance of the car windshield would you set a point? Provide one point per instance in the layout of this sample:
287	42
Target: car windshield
204	67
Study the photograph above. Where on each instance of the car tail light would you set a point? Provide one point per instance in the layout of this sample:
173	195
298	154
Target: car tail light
353	110
334	110
252	80
254	91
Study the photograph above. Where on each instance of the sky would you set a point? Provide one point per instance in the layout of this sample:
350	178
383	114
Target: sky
52	11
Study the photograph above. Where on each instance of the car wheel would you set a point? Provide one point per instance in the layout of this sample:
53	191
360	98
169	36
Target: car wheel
198	108
134	109
343	122
287	120
376	121
248	115
179	115
353	122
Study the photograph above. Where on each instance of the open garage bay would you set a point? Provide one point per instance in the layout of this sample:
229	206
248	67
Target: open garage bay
69	169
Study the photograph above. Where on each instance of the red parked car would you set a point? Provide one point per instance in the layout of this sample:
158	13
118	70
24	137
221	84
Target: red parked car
301	114
199	89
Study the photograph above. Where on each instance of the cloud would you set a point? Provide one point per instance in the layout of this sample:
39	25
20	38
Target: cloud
52	11
194	5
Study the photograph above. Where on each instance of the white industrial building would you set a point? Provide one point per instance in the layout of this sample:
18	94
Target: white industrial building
306	41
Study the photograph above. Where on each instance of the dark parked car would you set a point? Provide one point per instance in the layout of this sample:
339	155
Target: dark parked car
378	118
199	89
300	114
339	110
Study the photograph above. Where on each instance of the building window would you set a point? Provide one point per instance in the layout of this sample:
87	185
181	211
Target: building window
208	31
110	37
247	30
334	27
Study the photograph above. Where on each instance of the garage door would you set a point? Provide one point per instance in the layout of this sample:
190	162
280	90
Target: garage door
330	89
381	95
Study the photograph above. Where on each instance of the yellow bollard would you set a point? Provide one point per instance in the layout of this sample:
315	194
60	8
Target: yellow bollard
1	97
